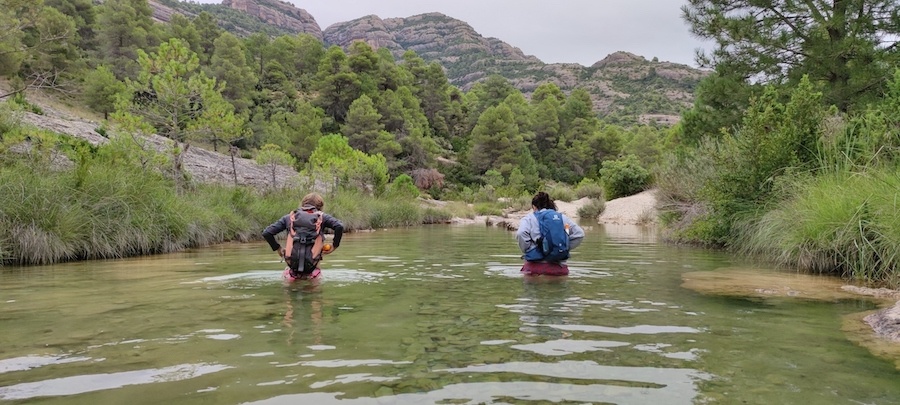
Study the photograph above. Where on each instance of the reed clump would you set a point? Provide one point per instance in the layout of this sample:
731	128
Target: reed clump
843	223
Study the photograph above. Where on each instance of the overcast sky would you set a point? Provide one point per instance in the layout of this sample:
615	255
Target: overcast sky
563	31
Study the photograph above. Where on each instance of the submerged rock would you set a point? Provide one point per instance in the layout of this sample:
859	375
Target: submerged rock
859	331
884	342
886	323
762	284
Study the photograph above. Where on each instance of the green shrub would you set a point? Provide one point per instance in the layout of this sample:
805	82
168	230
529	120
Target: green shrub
9	120
520	203
19	99
561	192
623	177
589	188
488	209
485	194
403	187
844	223
592	209
459	209
436	215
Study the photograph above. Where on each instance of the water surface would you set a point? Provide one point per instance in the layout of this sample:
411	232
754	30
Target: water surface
427	315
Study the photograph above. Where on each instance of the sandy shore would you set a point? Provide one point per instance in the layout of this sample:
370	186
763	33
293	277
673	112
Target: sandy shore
638	209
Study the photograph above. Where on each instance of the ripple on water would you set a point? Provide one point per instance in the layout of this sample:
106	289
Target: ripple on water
563	347
628	330
97	382
503	392
344	363
257	278
352	378
29	362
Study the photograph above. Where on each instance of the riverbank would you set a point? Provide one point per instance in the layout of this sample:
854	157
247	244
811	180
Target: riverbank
639	209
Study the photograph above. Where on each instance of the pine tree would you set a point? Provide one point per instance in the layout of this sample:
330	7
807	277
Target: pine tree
173	98
849	45
229	66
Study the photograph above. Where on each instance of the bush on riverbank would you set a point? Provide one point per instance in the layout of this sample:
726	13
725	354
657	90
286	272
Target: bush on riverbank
110	206
841	222
799	182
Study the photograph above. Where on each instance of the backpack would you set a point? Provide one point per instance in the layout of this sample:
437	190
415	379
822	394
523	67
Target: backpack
554	240
303	248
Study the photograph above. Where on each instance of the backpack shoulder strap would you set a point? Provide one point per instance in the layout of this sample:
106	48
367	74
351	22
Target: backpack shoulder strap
289	243
320	237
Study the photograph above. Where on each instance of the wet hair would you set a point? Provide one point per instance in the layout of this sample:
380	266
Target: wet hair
312	200
542	200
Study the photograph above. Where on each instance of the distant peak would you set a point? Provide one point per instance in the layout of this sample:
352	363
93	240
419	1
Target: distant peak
619	57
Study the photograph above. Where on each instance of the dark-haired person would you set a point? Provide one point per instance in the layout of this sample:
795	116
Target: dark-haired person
529	234
306	238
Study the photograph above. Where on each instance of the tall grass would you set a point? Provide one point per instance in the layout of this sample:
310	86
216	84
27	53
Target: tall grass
844	223
105	210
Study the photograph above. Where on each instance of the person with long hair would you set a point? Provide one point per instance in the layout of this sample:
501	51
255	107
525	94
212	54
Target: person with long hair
529	235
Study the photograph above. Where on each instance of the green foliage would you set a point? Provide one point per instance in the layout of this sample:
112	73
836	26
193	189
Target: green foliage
115	210
338	165
871	137
488	208
837	43
23	103
9	121
775	140
589	188
101	90
123	28
359	210
174	99
592	209
271	156
623	177
843	223
403	187
497	143
229	66
561	192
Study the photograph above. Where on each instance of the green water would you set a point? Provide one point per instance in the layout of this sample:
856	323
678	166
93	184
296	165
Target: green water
430	315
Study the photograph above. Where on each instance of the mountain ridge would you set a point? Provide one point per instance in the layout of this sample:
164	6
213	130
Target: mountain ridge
625	87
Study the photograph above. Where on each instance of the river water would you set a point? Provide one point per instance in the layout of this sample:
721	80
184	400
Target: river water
426	315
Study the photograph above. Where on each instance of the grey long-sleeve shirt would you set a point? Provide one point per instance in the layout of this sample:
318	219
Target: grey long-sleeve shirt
529	231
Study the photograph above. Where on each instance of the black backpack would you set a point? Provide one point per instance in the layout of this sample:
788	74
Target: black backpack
304	241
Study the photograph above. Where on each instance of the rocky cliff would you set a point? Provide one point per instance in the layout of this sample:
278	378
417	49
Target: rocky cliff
278	13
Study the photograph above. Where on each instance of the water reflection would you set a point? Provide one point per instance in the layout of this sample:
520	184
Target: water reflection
97	382
504	392
29	362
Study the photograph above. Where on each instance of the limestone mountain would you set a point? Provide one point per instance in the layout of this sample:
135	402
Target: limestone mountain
244	17
625	88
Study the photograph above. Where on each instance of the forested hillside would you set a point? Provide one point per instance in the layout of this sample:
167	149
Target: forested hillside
625	88
198	84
